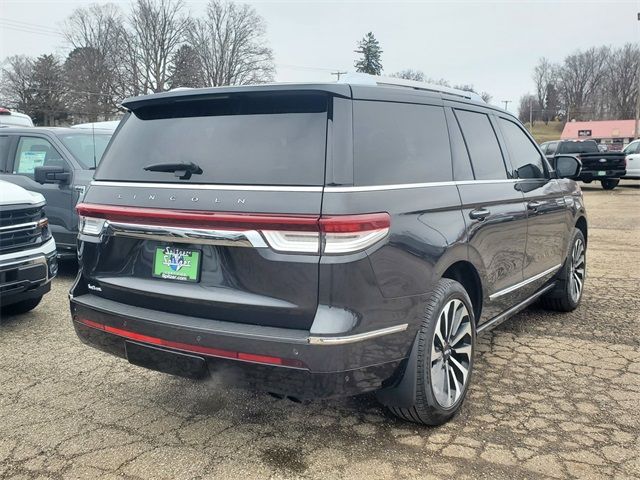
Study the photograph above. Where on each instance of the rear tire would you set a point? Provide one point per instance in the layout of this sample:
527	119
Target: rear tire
610	183
566	296
21	307
445	344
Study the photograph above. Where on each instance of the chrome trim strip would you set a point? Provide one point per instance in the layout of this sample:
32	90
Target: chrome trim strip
202	186
19	226
495	321
403	186
315	340
245	238
512	288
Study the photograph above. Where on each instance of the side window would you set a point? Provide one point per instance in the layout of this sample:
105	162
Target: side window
525	157
395	143
35	152
459	155
4	151
482	143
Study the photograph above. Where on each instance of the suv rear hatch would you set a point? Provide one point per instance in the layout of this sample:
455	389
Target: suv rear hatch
208	205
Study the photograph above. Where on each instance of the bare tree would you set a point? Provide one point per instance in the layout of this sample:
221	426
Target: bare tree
581	76
621	82
96	65
410	74
231	45
158	27
16	87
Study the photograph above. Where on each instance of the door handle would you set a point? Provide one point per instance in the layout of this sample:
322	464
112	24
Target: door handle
534	205
479	214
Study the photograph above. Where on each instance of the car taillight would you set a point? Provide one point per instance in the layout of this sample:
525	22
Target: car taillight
331	234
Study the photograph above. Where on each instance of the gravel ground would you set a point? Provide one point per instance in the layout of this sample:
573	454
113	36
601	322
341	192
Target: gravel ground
553	395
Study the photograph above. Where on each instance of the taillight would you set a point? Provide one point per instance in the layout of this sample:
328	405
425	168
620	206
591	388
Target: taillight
329	234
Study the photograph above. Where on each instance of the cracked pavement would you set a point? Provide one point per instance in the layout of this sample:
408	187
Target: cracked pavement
553	396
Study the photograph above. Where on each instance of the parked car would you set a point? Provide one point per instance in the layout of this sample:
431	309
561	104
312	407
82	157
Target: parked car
607	167
27	250
323	240
632	153
108	125
14	119
58	163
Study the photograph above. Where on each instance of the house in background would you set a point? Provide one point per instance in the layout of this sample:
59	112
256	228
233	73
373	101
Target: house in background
615	134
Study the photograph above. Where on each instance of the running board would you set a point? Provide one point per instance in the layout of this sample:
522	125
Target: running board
495	321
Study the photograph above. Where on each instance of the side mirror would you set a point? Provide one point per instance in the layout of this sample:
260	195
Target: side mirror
51	174
568	166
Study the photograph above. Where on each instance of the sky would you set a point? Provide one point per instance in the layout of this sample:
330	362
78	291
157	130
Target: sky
492	45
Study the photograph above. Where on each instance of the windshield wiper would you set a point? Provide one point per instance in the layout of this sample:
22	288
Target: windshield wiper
181	170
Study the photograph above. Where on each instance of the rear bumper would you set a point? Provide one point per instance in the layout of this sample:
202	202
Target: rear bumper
593	174
283	361
27	274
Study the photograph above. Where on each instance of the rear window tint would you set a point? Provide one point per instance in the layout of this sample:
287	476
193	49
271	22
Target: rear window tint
482	143
397	143
240	139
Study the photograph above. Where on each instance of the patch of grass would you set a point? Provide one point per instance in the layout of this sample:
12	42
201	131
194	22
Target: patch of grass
544	133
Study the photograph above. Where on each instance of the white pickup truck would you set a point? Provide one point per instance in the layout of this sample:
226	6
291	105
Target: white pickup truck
27	250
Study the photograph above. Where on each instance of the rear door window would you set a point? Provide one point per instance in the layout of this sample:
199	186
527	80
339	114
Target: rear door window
399	143
239	139
4	151
35	152
483	146
525	157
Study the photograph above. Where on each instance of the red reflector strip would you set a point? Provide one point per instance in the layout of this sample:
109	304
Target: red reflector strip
200	219
187	347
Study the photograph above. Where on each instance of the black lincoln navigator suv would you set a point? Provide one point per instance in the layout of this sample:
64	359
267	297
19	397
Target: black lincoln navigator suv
325	239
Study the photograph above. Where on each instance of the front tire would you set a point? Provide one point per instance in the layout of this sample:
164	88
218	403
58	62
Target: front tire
566	296
610	183
445	343
21	307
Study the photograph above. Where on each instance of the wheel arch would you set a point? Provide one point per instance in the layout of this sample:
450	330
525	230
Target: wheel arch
581	224
464	272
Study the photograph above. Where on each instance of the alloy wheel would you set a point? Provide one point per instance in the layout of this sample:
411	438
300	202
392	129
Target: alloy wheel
451	353
576	281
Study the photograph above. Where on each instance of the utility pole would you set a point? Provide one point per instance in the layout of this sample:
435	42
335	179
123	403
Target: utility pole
338	74
637	129
530	114
506	103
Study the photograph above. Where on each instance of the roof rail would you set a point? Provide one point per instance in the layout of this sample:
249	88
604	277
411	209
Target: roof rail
366	79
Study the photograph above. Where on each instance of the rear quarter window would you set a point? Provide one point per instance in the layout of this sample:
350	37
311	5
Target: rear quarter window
398	143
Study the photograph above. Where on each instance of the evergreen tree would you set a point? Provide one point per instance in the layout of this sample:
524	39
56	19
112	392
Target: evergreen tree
50	90
370	62
186	70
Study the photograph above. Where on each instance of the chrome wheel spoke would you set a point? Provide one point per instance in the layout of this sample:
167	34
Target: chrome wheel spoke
451	353
463	350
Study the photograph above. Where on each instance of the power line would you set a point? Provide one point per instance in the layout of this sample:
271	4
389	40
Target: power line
30	25
27	30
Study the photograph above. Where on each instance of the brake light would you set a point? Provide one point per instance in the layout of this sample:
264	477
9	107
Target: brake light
331	234
5	111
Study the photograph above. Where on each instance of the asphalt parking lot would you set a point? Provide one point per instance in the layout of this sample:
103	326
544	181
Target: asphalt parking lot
554	395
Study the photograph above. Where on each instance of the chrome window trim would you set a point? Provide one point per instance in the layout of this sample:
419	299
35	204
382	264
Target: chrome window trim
359	337
402	186
512	288
203	186
285	188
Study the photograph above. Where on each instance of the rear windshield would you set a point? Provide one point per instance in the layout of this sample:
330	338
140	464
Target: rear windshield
263	139
577	147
